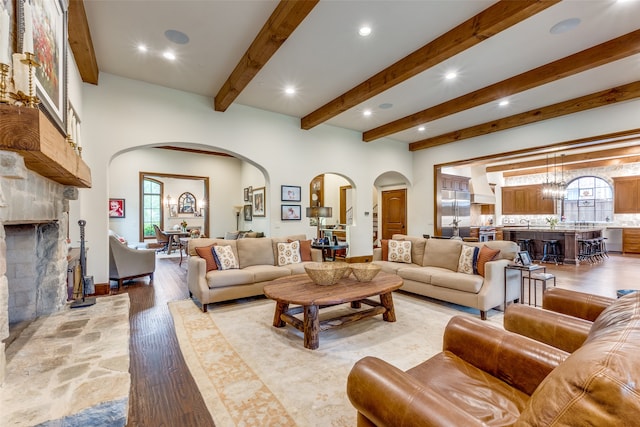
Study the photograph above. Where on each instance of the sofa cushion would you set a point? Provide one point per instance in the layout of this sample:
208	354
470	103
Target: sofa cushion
508	249
417	246
453	280
223	278
289	253
442	253
468	259
400	251
264	273
231	235
394	267
206	252
486	254
225	258
255	252
419	274
276	240
468	389
296	268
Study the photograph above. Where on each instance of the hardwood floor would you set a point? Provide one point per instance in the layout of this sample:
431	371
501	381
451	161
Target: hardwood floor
163	392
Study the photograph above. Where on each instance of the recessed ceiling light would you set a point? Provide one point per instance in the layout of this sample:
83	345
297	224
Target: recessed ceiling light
142	48
564	26
422	129
504	103
366	113
169	55
385	105
364	31
451	75
289	90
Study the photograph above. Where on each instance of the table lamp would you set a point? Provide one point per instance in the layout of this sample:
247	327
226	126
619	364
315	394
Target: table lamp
319	212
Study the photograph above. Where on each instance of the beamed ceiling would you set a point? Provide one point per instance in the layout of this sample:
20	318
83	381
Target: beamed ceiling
247	52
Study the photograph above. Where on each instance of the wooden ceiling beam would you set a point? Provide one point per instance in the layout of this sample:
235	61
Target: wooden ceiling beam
283	21
576	166
604	53
587	102
81	43
612	153
487	23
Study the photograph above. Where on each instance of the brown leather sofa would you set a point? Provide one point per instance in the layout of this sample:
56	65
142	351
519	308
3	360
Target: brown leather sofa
489	376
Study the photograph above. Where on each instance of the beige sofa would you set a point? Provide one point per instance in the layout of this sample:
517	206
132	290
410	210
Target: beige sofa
257	260
433	272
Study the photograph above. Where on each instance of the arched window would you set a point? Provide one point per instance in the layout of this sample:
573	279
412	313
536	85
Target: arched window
589	199
151	206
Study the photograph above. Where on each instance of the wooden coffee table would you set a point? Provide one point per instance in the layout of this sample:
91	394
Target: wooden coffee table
310	298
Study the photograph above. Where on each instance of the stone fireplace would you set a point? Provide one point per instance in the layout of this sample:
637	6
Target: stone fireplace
33	245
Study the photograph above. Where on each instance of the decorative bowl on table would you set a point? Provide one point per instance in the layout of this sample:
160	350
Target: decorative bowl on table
326	273
365	271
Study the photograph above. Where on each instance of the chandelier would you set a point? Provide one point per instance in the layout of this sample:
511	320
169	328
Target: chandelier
556	190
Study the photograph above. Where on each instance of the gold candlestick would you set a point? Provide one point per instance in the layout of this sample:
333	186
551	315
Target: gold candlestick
70	142
32	99
4	72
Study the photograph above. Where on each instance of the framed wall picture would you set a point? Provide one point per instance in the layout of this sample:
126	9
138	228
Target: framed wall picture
259	202
246	194
290	193
45	35
290	212
247	213
116	208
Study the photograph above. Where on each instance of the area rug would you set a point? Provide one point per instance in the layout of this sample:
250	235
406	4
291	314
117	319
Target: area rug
251	373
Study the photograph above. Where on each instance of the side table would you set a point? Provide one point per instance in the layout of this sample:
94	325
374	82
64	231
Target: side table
527	273
329	251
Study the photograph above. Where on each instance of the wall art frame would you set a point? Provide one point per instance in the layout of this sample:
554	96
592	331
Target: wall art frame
259	204
246	210
49	30
290	212
290	193
116	208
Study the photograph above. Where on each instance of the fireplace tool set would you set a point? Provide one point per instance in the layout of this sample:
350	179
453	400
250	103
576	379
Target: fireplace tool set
87	285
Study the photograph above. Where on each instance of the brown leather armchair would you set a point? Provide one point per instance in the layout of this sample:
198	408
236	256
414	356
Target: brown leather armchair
564	321
489	376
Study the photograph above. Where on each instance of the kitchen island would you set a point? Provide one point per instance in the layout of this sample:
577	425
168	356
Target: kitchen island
567	238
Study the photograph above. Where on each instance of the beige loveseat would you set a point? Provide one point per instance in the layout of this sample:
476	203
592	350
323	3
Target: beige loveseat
257	259
433	272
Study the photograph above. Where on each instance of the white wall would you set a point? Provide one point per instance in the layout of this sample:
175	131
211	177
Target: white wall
121	114
599	121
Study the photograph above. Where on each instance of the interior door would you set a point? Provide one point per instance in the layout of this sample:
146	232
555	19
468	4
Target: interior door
394	213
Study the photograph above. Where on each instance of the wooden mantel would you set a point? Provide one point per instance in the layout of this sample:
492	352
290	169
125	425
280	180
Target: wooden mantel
30	133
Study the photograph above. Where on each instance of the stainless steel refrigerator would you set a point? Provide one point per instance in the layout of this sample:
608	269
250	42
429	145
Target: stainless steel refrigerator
456	206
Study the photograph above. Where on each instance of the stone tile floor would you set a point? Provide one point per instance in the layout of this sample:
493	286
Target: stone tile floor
70	368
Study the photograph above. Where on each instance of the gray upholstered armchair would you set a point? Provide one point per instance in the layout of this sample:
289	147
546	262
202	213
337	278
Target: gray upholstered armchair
126	263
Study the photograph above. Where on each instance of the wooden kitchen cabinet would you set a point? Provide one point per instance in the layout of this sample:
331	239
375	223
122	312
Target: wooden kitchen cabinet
525	200
454	182
631	240
626	194
487	209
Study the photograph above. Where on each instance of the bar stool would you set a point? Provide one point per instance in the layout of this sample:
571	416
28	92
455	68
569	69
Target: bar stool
584	250
527	245
550	251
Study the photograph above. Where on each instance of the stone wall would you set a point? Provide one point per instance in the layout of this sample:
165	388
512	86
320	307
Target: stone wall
34	211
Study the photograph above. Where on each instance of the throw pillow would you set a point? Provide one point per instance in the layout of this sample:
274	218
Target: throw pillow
225	258
289	253
400	251
468	259
206	252
385	249
305	249
231	235
485	255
